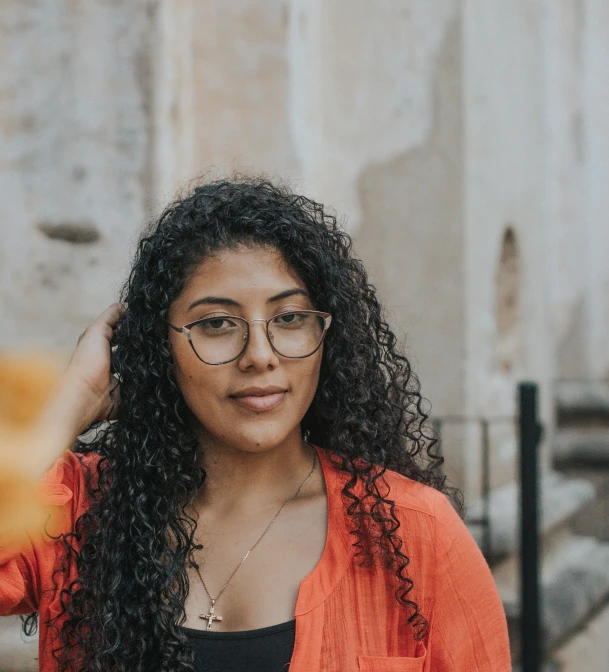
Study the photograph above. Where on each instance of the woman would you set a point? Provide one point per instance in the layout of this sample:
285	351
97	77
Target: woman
266	496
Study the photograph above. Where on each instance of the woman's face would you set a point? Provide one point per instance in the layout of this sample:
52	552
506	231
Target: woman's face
244	282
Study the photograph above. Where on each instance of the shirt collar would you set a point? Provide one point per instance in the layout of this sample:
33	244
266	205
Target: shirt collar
338	551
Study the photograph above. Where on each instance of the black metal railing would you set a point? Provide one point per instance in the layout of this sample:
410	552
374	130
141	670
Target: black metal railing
529	433
484	423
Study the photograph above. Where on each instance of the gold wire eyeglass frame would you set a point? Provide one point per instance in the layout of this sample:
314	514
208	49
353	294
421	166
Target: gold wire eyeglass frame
327	318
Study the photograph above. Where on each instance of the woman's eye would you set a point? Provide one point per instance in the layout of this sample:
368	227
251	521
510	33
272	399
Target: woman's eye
291	319
216	324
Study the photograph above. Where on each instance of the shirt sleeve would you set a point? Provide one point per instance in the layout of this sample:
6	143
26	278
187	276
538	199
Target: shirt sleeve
27	559
468	627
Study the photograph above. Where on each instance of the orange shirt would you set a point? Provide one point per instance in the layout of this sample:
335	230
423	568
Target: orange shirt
347	617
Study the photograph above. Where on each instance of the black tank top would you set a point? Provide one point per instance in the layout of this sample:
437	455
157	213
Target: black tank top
262	650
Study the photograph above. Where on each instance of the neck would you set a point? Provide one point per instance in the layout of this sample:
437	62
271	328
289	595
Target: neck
238	480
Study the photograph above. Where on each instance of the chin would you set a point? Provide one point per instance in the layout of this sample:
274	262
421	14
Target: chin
258	442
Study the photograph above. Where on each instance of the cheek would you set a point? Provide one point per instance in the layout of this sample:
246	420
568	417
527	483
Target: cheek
201	385
204	397
307	381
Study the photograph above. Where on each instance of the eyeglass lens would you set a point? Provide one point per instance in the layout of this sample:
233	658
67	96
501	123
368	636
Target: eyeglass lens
221	339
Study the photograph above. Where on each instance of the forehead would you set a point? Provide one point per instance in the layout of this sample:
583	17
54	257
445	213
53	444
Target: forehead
242	271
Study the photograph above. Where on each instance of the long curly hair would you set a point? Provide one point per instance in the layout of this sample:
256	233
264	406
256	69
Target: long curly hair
132	546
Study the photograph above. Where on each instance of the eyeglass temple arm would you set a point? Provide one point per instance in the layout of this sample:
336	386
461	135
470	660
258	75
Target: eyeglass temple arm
174	327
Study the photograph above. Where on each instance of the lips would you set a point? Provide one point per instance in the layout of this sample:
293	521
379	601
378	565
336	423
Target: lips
259	398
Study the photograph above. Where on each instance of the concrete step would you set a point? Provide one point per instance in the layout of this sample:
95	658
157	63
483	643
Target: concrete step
18	653
593	519
577	400
581	447
561	499
547	666
574	584
589	648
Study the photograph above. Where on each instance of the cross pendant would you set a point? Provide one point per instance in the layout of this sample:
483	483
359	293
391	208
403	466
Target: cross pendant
211	617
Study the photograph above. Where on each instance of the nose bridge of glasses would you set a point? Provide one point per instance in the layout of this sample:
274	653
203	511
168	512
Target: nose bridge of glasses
268	334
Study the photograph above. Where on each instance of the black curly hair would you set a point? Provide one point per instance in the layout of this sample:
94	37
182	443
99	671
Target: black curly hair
125	609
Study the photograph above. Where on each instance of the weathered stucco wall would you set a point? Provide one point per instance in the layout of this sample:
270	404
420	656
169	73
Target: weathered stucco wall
223	90
411	234
595	48
433	127
361	88
411	238
564	182
504	190
466	143
75	161
576	54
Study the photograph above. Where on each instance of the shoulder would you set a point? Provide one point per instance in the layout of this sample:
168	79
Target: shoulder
410	495
418	506
424	513
69	480
452	580
71	467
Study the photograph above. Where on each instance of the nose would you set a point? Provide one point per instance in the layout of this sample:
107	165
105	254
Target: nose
258	353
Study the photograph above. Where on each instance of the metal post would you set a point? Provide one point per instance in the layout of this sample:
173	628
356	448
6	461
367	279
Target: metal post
530	624
437	430
486	487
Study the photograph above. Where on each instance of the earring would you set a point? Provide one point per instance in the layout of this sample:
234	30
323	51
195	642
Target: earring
306	435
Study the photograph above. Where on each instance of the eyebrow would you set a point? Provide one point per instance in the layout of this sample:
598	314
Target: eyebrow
224	300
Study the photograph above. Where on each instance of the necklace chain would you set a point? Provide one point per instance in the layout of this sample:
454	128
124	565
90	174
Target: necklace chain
268	527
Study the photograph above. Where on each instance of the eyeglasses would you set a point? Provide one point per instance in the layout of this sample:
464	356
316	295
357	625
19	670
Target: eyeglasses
223	338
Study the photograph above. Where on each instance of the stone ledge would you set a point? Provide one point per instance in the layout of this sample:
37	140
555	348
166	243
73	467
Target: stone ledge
582	397
578	583
574	583
18	653
582	447
588	649
561	498
548	666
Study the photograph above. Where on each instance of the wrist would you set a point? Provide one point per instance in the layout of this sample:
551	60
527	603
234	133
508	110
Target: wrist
74	405
67	414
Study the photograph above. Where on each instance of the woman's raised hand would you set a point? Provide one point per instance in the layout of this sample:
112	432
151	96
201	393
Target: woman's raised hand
88	372
84	394
41	415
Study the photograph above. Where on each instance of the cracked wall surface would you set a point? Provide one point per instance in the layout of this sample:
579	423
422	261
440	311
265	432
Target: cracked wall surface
75	137
411	232
429	127
222	93
362	88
